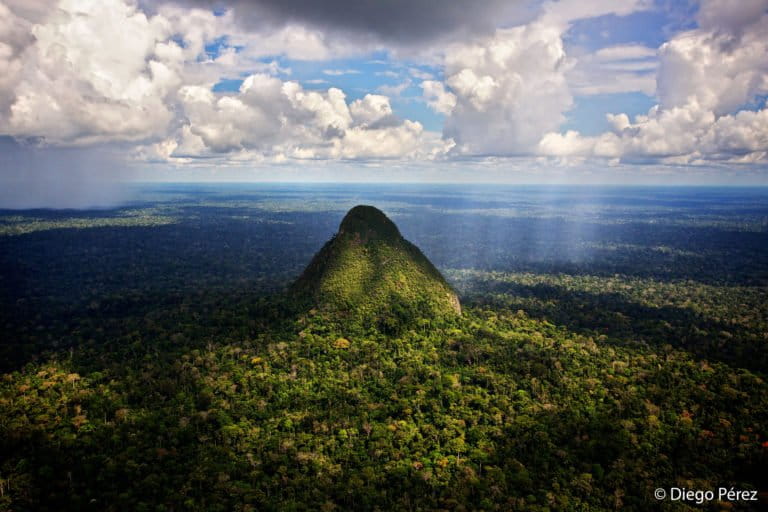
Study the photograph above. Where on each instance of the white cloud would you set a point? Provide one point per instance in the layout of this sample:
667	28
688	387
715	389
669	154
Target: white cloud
571	143
420	74
373	109
720	71
503	93
270	118
677	135
61	86
508	90
99	72
438	99
615	69
340	72
294	42
706	77
77	72
14	38
624	52
74	91
394	90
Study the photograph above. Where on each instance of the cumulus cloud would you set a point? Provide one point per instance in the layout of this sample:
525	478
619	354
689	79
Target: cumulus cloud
154	87
719	70
503	92
507	90
680	135
721	65
438	98
275	119
71	90
15	37
706	79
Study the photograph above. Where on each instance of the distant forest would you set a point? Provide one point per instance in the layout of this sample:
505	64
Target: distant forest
612	342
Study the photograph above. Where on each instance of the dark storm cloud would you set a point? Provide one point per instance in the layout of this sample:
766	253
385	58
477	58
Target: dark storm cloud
400	22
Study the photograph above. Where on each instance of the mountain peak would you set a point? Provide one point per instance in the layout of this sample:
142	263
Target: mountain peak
369	271
369	223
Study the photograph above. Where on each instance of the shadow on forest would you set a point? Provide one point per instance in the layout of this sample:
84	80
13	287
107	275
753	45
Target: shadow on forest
141	305
52	280
626	322
183	457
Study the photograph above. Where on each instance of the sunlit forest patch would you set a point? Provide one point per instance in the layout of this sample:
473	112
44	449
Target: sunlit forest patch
598	356
21	225
715	321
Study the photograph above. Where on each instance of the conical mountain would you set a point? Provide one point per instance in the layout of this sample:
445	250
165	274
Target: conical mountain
369	269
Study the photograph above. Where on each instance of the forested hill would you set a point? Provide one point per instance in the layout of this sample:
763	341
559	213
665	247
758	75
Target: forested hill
611	343
371	273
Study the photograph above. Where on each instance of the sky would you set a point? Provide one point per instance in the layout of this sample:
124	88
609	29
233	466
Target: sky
98	93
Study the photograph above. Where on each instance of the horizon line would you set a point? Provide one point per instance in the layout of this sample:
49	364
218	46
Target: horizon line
439	183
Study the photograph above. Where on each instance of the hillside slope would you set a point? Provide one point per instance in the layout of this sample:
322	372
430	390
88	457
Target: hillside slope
369	269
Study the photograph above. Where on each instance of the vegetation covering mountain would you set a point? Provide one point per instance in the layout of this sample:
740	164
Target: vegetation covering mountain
369	272
158	368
